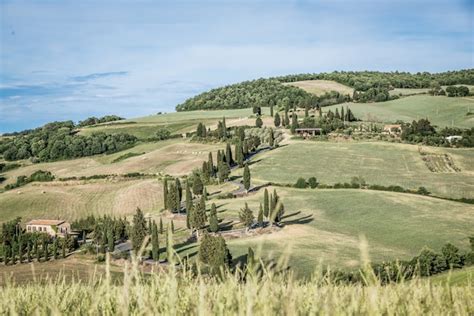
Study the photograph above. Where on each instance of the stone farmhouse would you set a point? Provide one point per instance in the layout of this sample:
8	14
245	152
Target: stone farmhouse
55	228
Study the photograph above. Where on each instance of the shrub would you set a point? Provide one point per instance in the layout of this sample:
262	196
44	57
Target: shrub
301	183
312	182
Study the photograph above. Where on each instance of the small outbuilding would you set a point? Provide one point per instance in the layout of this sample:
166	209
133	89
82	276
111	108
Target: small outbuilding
454	138
308	132
393	129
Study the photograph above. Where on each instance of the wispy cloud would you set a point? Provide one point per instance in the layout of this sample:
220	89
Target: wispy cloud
100	75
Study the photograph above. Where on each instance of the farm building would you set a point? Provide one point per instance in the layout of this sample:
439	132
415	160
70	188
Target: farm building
308	132
453	137
393	129
55	228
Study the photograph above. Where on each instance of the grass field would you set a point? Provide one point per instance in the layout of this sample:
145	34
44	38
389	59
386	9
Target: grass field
377	162
325	225
175	157
461	277
176	122
320	87
72	200
441	111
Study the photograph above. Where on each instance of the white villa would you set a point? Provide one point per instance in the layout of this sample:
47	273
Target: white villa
55	228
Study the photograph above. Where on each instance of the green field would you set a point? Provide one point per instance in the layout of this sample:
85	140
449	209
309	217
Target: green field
325	225
441	111
461	277
177	122
380	163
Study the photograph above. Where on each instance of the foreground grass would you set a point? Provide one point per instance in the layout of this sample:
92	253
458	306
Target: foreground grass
177	293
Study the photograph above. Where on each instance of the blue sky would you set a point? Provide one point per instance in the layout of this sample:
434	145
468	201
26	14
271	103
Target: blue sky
73	59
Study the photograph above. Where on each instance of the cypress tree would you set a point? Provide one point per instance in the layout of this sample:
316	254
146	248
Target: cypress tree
271	138
55	249
294	122
260	216
306	110
246	215
272	104
28	251
172	226
272	206
210	166
197	185
224	128
277	120
138	230
189	197
64	248
246	177
245	148
213	221
45	249
111	240
155	246
179	192
204	194
161	226
20	249
343	116
6	253
239	156
13	254
37	251
287	119
241	132
258	122
228	155
165	193
173	199
266	206
336	115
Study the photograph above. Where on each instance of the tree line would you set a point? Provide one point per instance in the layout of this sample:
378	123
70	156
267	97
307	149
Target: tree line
59	140
19	246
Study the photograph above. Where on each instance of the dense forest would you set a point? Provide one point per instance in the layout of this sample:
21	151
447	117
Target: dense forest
370	86
59	140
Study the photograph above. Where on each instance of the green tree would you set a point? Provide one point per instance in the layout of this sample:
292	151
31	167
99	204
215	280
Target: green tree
169	245
139	230
259	122
246	215
239	154
55	248
228	155
161	226
173	198
313	182
452	256
197	185
20	249
213	221
266	203
271	138
260	216
294	122
246	177
45	249
155	246
63	245
287	119
28	251
165	193
110	239
199	216
272	104
213	252
277	120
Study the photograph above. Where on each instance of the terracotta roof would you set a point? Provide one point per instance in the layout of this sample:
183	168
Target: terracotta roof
49	222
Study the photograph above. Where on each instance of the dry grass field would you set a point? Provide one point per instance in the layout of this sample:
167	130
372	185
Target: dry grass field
75	199
320	87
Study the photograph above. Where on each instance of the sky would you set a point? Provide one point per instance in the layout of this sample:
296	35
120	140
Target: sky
68	60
